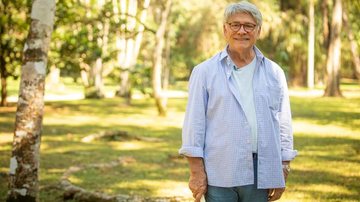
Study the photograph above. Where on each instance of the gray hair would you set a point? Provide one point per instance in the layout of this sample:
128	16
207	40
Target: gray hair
243	7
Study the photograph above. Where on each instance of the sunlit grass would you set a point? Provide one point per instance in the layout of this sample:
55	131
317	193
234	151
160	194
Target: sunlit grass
332	130
326	134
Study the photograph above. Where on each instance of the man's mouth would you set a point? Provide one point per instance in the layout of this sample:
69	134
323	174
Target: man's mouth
241	39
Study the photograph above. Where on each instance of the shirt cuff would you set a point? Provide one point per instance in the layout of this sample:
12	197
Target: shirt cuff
191	151
288	155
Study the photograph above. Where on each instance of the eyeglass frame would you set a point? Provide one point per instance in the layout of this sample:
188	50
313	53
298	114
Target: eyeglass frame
243	26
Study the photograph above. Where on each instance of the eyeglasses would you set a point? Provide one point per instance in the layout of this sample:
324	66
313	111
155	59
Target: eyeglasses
235	26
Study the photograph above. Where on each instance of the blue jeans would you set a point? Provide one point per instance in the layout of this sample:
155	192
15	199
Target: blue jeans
247	193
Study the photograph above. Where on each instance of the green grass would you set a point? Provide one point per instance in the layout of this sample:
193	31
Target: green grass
327	136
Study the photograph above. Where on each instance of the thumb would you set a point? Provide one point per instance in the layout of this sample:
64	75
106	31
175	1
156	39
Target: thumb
198	197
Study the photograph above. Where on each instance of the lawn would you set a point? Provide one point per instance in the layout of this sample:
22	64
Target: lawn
326	130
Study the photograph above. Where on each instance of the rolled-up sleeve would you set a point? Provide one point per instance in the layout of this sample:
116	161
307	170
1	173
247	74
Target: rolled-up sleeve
194	128
286	133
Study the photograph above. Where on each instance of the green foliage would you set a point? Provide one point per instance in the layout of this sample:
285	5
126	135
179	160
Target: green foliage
195	33
198	34
78	36
13	30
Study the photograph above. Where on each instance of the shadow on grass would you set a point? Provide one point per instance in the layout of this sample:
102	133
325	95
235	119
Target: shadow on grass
61	146
154	162
321	160
108	106
328	110
306	180
157	163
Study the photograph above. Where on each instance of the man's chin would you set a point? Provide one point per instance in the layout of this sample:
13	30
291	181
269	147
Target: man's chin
242	45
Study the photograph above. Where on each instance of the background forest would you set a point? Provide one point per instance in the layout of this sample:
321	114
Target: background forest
115	92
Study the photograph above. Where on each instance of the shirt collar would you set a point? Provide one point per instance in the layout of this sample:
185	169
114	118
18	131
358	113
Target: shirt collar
224	56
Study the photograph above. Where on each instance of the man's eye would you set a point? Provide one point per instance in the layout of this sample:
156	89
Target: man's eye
235	25
249	26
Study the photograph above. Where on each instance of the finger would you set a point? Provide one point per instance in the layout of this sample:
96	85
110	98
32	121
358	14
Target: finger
198	197
272	195
270	192
194	189
285	175
195	194
277	194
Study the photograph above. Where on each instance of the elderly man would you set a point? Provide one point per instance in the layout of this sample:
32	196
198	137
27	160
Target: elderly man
237	132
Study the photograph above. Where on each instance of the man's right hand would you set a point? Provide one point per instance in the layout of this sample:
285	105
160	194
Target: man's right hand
198	179
198	185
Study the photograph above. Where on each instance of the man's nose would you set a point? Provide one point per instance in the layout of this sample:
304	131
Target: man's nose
242	29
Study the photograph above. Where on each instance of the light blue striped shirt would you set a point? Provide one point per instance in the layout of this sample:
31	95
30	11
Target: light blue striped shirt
216	129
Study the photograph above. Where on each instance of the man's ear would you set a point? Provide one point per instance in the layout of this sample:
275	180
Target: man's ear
224	29
259	31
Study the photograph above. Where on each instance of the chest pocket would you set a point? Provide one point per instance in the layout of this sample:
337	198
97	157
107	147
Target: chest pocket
274	95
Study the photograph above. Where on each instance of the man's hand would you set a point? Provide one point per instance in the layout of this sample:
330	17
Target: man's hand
275	194
198	185
198	179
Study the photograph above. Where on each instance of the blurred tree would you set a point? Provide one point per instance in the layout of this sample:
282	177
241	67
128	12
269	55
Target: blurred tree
128	40
24	163
333	61
284	37
13	28
311	46
83	42
97	34
352	38
197	26
159	95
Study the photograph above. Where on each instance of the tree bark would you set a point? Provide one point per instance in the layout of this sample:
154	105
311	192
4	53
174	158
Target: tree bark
311	46
159	95
3	75
353	45
334	53
95	88
129	47
326	23
166	62
24	163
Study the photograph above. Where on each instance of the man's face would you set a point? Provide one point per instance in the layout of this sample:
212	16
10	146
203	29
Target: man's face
241	31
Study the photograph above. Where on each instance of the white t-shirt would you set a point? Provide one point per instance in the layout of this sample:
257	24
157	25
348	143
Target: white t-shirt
244	77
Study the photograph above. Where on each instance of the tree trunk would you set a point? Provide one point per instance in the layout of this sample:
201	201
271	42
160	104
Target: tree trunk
129	47
166	62
92	69
3	75
334	53
159	95
126	47
353	46
53	79
24	163
95	84
326	23
3	46
95	80
311	47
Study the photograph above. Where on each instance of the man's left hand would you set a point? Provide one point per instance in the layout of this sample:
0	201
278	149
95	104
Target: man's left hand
275	194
